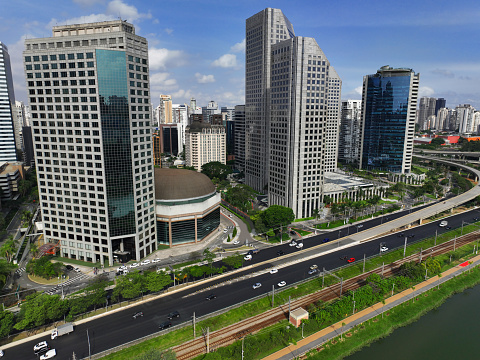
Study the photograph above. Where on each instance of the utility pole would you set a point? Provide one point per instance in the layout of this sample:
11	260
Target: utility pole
341	286
363	262
405	246
323	277
454	242
393	287
421	249
243	338
194	332
383	267
436	231
289	306
89	350
208	340
273	295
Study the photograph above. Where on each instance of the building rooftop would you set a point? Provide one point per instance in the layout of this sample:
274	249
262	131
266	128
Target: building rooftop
180	184
335	182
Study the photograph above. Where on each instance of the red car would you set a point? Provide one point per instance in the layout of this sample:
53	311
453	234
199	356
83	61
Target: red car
351	260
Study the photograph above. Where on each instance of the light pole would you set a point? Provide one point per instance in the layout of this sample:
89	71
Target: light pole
89	350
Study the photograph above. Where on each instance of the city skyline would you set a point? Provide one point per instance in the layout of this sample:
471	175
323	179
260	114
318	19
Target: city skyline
197	49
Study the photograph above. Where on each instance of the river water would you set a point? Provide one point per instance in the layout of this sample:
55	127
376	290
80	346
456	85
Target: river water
449	332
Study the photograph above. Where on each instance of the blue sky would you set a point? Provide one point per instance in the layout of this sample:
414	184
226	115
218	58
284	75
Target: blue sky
197	47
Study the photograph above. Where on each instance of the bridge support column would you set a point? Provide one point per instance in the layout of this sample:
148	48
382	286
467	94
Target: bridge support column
420	221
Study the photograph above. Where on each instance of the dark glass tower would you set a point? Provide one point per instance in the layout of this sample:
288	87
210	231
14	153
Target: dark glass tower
389	103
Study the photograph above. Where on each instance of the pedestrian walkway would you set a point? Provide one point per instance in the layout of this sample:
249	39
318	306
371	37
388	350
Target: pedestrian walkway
316	340
20	271
58	287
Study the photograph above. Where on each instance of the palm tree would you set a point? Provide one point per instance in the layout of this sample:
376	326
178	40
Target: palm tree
315	213
9	248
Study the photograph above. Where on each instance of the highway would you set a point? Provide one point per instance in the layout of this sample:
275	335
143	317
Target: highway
119	328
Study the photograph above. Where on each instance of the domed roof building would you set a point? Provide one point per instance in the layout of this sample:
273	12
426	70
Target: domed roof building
187	206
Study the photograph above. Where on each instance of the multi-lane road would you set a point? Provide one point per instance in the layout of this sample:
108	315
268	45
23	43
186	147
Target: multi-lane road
119	327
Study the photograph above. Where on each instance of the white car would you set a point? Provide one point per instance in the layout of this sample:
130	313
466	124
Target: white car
313	267
236	242
257	285
122	268
383	249
48	355
292	243
443	223
282	283
225	231
134	265
155	261
299	245
40	345
145	262
273	271
248	257
77	269
1	353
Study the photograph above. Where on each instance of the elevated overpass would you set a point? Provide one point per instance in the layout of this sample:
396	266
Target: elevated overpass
440	206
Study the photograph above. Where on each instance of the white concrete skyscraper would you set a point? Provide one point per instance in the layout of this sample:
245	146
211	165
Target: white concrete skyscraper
291	131
90	108
7	104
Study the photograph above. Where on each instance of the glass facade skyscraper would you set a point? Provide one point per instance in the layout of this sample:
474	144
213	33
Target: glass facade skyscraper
89	95
7	104
389	103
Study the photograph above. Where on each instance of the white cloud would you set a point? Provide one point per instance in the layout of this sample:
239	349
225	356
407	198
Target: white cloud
226	61
204	79
80	20
239	47
169	31
162	59
125	11
16	62
425	91
182	95
442	72
163	81
358	90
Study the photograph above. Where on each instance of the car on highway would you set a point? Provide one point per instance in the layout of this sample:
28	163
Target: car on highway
236	242
257	285
325	240
164	325
248	257
401	234
145	262
137	314
448	227
411	236
383	249
211	297
173	314
282	284
299	246
69	267
476	218
350	260
48	355
134	265
312	271
273	271
292	243
313	267
343	257
443	223
155	261
280	252
39	346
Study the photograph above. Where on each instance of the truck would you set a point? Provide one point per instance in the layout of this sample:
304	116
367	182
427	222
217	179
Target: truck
62	330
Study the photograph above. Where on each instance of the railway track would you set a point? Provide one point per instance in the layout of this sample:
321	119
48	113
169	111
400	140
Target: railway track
234	332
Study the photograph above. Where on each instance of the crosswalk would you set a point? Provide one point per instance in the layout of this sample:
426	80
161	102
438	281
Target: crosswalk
20	271
58	288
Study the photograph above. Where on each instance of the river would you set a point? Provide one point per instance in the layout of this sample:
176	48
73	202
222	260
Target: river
449	332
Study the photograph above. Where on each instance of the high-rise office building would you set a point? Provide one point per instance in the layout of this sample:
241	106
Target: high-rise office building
349	144
389	102
291	113
465	119
426	109
165	110
239	118
440	103
204	143
7	105
89	99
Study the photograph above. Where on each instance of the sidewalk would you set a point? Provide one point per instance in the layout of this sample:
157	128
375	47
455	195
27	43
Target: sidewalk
324	335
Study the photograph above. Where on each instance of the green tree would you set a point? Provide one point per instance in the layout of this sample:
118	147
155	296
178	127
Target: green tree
5	269
131	285
240	196
157	281
95	293
277	215
208	256
7	321
216	169
35	310
315	213
196	271
9	248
